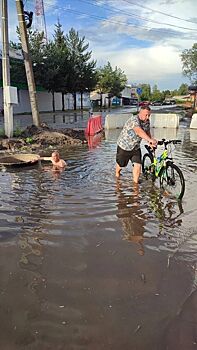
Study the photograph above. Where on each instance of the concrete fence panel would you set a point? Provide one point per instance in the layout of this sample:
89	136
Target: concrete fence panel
162	120
164	133
116	121
193	124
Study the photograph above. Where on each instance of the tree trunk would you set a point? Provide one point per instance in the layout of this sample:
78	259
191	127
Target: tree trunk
53	100
63	105
81	100
75	100
109	101
101	100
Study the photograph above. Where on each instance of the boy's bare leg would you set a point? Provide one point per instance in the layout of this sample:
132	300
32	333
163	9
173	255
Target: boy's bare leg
136	172
118	170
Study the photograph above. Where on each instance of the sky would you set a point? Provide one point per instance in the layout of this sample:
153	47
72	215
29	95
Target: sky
144	38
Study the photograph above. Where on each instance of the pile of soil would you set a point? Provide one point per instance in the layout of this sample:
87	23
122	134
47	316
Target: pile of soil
35	138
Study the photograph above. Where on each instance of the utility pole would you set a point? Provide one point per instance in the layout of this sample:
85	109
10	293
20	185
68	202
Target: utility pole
7	106
28	63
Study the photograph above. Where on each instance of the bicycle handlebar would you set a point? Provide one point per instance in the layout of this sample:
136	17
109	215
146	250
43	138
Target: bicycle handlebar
162	142
167	142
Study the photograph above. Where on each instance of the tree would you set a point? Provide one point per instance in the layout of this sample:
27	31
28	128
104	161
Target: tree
88	79
156	94
64	64
189	62
17	68
146	92
183	89
79	59
110	81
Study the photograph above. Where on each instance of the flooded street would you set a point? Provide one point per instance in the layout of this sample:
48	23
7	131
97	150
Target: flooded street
89	263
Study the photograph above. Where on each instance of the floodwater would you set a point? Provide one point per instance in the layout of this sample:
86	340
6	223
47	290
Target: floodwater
89	263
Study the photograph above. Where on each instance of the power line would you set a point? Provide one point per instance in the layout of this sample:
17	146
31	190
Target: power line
157	11
126	24
134	15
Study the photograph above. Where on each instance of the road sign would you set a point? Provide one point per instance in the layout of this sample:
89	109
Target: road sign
116	101
139	91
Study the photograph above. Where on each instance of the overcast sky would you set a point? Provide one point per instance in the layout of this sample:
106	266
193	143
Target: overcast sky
144	38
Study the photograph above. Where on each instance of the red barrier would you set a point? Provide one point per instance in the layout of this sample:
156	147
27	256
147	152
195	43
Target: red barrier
94	125
94	141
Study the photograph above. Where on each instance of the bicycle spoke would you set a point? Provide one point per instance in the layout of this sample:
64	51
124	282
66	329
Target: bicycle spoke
147	167
172	181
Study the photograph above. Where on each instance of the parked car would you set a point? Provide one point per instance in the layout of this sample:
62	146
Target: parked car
169	102
156	103
144	103
134	102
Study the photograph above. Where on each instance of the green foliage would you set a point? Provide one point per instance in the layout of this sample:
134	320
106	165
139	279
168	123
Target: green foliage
111	81
156	94
2	132
17	132
146	92
183	89
29	140
189	63
64	65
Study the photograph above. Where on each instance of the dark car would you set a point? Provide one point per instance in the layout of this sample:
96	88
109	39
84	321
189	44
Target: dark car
156	103
134	102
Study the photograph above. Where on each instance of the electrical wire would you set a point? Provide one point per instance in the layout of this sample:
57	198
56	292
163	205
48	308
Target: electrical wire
157	11
134	15
170	32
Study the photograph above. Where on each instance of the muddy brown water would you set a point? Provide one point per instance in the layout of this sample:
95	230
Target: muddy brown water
87	262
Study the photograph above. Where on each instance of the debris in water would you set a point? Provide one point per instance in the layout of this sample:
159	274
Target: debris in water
98	245
143	277
138	328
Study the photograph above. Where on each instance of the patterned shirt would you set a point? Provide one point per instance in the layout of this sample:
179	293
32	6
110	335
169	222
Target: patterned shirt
128	139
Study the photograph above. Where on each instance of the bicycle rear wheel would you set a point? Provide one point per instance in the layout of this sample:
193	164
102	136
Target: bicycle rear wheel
172	180
147	167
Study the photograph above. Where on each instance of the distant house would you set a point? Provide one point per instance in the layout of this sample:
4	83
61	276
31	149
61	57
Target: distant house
126	98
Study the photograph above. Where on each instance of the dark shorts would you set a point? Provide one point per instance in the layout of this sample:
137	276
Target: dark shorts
123	157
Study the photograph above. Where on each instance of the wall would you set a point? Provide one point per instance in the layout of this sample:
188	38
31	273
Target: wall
45	101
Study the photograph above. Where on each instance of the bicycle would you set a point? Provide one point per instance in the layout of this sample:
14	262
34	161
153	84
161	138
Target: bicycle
171	178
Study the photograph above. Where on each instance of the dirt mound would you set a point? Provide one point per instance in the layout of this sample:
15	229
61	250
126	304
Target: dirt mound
46	135
54	138
34	130
34	138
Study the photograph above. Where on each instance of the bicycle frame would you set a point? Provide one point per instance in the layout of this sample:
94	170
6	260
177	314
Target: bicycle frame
158	162
163	167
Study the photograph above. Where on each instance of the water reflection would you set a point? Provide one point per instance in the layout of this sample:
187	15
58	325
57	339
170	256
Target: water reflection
148	215
94	141
66	253
168	211
166	133
131	215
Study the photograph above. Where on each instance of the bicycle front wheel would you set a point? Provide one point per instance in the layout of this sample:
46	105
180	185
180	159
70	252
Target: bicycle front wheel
172	180
147	167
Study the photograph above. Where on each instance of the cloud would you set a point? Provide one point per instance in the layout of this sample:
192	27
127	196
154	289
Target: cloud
49	5
153	64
